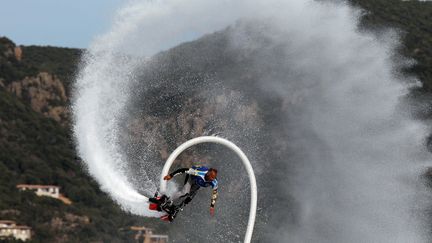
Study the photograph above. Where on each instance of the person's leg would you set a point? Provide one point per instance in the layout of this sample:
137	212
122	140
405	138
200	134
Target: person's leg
192	192
191	189
184	191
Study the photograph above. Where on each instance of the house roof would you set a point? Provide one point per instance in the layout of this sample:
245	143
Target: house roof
7	222
21	227
139	228
13	225
159	236
35	186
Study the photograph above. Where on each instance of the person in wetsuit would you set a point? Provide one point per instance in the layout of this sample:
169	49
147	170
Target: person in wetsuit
197	177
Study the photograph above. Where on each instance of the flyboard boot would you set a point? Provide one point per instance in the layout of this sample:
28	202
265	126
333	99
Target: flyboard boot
164	204
174	210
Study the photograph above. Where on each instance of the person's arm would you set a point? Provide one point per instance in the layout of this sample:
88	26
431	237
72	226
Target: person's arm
177	172
214	197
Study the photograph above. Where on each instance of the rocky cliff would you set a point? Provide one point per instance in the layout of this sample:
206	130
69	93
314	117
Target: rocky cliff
45	93
35	83
36	148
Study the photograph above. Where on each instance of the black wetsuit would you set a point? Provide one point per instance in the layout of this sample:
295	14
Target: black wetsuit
196	179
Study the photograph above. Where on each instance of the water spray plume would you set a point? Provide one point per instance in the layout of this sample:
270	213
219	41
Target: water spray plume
311	99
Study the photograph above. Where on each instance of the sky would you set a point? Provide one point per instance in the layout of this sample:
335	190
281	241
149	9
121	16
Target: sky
65	23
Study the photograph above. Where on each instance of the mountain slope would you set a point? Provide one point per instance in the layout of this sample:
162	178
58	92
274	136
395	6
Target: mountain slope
36	149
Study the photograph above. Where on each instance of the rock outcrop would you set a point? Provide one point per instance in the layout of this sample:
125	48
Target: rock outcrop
7	47
18	53
63	226
45	93
195	118
9	50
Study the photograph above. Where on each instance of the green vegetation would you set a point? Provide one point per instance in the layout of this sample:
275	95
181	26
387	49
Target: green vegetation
414	19
59	61
37	150
10	68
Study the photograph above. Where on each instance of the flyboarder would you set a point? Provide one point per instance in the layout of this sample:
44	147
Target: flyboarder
196	177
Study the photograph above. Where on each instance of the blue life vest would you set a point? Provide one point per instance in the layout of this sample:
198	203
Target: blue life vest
198	176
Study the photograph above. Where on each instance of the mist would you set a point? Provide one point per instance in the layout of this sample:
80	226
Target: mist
337	156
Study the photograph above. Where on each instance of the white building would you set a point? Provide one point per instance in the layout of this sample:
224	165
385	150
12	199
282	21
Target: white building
9	228
46	190
158	239
42	190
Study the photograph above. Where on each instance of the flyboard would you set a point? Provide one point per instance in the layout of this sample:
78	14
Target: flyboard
164	204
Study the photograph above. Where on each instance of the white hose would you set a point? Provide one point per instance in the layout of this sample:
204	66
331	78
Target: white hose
244	159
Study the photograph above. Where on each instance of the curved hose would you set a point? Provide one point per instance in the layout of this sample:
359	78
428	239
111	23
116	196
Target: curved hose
244	159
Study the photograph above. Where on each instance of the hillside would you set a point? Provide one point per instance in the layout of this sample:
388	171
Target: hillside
36	146
36	149
412	19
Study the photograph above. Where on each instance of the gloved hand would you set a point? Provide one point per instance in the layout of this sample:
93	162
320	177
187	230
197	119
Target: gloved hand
212	211
167	177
